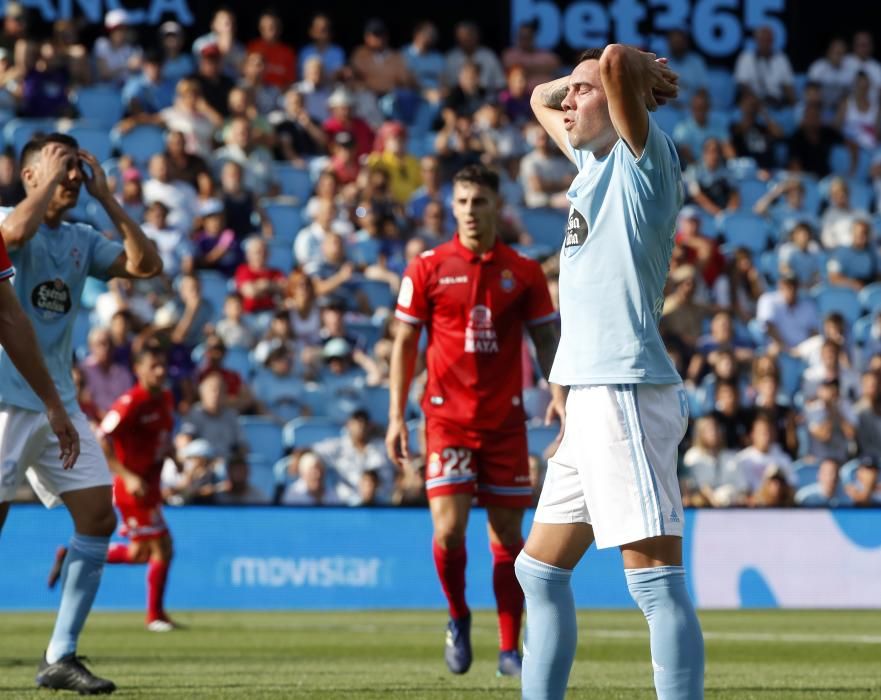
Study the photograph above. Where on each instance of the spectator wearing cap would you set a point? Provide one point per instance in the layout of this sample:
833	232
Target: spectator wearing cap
709	183
234	328
193	313
787	318
277	384
178	196
539	65
302	305
266	97
214	84
279	333
260	285
355	454
858	264
468	48
223	35
196	482
321	46
545	174
192	116
391	157
342	119
148	92
307	245
701	124
831	423
345	163
687	64
175	248
315	89
117	57
236	489
236	392
342	375
106	380
297	134
281	60
424	62
130	194
217	246
381	69
868	415
863	491
765	71
700	250
313	486
256	161
176	63
763	452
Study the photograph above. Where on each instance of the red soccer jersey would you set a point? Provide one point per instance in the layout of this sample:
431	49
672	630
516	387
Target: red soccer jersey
264	302
6	268
139	424
475	308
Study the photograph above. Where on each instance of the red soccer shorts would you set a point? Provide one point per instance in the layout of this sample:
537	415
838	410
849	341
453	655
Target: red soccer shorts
141	518
494	464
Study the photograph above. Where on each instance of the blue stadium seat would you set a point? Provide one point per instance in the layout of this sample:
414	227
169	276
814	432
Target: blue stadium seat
862	329
535	402
791	370
870	298
286	219
721	88
215	287
378	293
101	104
839	160
263	435
364	252
861	195
538	437
366	331
668	118
141	143
805	472
94	139
294	182
769	266
302	433
415	436
743	167
281	255
239	360
743	229
262	476
546	226
280	475
751	190
831	298
376	401
17	132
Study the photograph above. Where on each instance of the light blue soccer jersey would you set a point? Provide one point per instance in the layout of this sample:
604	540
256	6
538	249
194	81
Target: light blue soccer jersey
50	271
614	263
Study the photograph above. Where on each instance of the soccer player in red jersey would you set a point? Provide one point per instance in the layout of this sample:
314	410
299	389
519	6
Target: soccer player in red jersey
136	437
474	295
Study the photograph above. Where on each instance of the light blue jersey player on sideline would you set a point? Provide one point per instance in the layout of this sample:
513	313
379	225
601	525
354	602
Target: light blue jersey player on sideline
52	259
613	478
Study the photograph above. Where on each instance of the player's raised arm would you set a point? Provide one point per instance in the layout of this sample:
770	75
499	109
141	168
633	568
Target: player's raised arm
140	258
634	81
405	350
20	342
546	102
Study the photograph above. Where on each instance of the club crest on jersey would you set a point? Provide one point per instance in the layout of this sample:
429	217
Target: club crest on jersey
480	334
51	298
576	229
507	281
434	465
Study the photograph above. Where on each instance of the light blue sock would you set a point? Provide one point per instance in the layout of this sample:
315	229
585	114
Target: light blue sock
80	578
551	628
674	631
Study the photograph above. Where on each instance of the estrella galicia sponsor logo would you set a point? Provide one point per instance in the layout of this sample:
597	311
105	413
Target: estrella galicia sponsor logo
576	229
51	299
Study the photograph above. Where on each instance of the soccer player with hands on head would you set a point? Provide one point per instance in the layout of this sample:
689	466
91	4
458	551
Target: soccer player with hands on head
53	258
474	295
613	478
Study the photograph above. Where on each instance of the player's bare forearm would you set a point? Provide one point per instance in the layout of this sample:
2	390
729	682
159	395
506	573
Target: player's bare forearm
404	353
20	342
546	102
22	223
142	259
552	94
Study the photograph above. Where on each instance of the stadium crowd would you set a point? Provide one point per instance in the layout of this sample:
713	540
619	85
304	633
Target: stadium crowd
286	188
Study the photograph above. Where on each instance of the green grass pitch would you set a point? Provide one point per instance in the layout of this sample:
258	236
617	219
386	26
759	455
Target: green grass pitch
763	655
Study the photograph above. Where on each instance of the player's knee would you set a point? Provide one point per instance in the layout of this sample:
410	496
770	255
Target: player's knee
139	553
163	549
450	537
104	523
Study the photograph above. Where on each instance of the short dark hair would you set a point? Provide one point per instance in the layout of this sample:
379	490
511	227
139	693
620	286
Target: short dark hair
33	147
151	348
589	55
478	175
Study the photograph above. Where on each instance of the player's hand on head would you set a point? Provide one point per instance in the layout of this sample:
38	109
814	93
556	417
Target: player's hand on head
95	177
396	443
661	82
53	162
68	438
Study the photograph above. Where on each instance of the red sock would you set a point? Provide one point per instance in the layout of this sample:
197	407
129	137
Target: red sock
118	554
157	575
450	564
509	596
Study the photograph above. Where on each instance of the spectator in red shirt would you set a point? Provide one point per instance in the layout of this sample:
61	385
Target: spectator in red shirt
259	284
281	59
237	391
343	119
700	250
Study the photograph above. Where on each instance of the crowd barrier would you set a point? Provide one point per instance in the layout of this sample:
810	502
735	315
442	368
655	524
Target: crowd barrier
286	558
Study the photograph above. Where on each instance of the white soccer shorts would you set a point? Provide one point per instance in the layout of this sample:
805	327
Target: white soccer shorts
28	445
615	468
